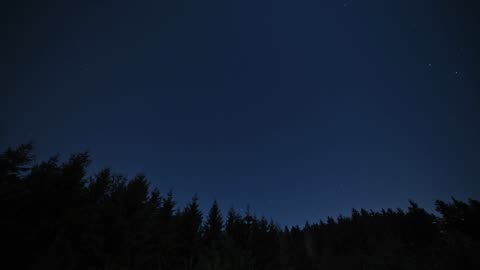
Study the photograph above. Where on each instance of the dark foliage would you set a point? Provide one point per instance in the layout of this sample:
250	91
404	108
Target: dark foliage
55	217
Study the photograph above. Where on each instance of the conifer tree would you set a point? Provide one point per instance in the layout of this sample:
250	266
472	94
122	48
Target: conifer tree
213	226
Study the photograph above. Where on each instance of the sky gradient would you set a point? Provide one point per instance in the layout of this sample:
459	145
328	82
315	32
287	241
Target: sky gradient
302	109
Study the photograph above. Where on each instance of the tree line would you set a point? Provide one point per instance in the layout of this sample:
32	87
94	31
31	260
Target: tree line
54	216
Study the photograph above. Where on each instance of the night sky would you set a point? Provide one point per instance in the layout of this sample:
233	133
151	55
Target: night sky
302	109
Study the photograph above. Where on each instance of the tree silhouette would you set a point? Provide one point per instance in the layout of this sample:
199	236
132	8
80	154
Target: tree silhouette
214	227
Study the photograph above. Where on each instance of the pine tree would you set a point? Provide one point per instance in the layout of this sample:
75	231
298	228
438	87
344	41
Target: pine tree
213	226
190	223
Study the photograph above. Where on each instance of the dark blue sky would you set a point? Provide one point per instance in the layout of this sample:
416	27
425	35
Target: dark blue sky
302	109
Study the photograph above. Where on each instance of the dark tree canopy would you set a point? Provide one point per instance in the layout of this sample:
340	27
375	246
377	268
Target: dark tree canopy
54	216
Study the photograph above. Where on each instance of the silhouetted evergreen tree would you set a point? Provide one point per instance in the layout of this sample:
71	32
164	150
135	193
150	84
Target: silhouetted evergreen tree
213	229
190	229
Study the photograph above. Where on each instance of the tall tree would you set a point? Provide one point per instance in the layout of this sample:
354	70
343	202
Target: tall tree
214	226
190	224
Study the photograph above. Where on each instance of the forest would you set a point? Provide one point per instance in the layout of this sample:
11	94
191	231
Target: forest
55	216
